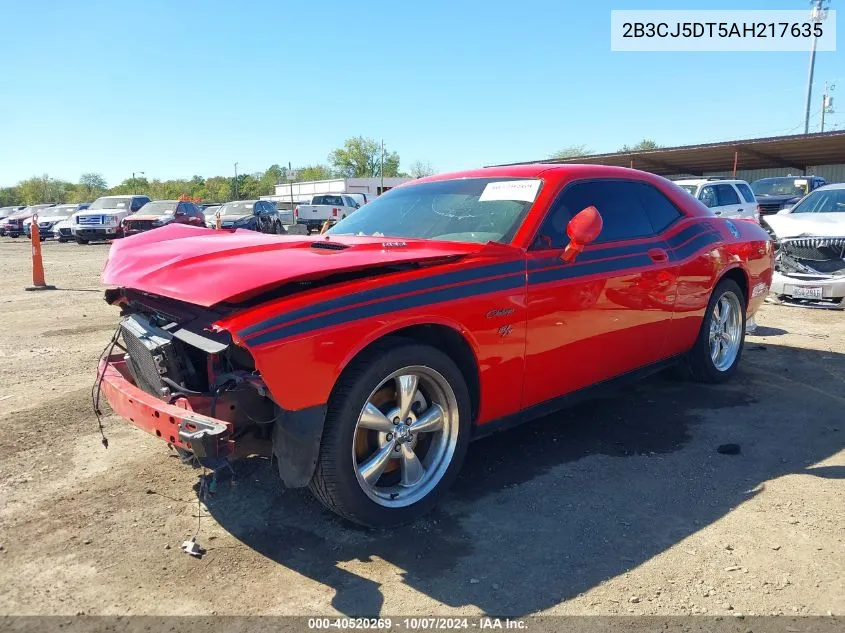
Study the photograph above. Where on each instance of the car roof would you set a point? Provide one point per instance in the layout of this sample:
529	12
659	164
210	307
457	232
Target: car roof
555	172
701	181
837	185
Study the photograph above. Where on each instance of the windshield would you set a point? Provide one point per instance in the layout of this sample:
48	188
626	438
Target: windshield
822	201
236	208
335	201
211	210
465	210
56	212
110	203
780	187
690	188
160	207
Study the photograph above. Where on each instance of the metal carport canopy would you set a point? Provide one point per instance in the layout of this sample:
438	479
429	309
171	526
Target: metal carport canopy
799	151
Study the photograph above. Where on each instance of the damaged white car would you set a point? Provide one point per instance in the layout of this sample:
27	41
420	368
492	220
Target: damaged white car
810	247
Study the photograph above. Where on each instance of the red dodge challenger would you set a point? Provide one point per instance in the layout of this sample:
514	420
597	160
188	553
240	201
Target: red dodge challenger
447	308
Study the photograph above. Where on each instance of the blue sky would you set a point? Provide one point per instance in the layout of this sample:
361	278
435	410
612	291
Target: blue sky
182	87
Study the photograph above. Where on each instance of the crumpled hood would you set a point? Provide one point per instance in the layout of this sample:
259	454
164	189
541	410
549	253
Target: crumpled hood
807	224
206	267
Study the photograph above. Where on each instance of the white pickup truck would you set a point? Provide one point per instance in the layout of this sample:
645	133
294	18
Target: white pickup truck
325	206
102	220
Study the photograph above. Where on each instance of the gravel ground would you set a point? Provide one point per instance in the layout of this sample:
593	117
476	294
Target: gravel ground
619	506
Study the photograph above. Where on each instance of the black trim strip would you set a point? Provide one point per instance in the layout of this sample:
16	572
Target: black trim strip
385	307
385	292
569	271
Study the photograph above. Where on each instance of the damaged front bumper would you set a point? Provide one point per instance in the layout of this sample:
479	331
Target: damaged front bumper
811	268
808	286
177	423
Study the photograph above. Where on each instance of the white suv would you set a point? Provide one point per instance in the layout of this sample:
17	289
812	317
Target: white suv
725	197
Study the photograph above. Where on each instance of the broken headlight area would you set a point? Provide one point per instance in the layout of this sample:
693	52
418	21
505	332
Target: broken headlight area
822	256
171	352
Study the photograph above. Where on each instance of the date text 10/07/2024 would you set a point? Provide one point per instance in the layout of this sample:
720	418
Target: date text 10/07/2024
418	623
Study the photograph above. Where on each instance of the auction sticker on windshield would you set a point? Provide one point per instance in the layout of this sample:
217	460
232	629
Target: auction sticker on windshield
521	190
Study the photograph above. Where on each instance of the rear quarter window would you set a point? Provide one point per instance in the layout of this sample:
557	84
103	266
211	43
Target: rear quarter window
661	212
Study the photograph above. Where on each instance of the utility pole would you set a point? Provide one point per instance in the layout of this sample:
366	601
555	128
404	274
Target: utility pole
134	182
817	15
236	180
381	169
290	178
827	103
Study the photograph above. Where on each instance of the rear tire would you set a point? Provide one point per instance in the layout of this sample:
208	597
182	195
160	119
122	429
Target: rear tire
421	457
718	349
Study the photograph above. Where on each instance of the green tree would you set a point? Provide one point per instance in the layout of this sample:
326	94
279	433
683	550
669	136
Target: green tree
573	151
40	189
362	157
91	186
645	144
218	189
314	172
420	169
9	196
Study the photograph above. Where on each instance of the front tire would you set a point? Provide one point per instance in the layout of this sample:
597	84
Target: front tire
395	436
717	351
80	240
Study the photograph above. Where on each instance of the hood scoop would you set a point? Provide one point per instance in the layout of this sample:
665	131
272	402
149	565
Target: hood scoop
329	246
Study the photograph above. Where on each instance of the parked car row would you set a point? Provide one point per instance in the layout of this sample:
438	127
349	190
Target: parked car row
732	198
111	217
255	215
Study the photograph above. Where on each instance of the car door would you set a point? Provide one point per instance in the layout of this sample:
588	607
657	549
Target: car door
605	314
722	199
749	207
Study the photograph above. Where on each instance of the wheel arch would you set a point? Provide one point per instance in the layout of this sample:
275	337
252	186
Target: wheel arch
742	279
445	336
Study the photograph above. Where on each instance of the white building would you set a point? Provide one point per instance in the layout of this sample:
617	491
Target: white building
299	191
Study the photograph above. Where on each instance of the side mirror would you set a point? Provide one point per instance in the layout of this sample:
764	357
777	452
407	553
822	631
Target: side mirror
583	229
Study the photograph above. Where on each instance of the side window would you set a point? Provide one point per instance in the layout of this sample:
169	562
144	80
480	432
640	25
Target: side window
617	201
659	209
727	195
707	195
746	192
137	203
347	201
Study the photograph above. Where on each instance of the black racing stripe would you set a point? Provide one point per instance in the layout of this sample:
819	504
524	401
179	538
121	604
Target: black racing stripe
570	271
627	249
592	255
682	236
703	240
385	292
377	309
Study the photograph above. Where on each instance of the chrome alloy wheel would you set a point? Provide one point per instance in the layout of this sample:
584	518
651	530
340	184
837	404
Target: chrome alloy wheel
405	436
725	331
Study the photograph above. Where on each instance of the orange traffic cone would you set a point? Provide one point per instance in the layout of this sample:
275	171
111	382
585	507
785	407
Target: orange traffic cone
38	282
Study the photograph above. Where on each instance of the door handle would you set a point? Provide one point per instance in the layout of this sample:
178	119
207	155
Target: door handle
658	255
